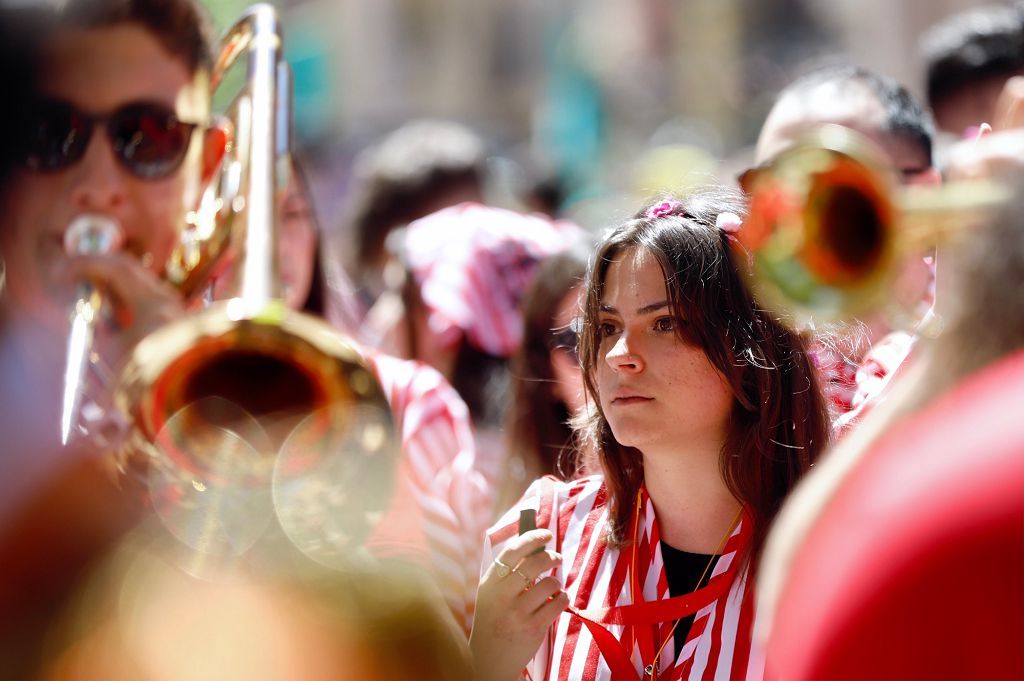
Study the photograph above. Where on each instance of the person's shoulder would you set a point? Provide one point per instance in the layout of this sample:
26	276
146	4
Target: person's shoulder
552	499
405	380
396	372
586	488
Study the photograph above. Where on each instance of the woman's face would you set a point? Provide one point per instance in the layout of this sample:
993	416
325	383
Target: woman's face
656	391
296	245
565	367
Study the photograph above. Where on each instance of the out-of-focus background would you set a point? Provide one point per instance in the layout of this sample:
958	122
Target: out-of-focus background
611	97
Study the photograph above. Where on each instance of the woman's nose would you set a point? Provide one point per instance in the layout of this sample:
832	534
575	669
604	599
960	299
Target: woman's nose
623	356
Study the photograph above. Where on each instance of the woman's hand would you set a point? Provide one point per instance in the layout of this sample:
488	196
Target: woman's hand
513	609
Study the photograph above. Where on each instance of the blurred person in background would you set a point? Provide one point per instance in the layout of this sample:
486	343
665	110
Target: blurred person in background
420	168
901	556
968	57
299	253
884	112
702	413
543	189
113	120
442	529
547	385
299	258
467	269
437	470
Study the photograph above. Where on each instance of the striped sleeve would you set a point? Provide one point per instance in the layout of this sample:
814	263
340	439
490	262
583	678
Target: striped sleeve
438	453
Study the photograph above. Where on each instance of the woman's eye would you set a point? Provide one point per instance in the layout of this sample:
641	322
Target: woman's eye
606	329
665	324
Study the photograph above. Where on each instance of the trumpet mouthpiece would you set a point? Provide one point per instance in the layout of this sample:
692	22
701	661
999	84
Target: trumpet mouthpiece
91	234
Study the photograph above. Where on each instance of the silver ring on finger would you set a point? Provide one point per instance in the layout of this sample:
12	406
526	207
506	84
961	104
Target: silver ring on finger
529	582
501	569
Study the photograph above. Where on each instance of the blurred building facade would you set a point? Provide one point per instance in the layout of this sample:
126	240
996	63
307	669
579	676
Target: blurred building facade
588	85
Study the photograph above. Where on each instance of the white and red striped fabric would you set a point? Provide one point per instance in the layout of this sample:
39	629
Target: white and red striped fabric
608	633
837	374
878	368
473	264
880	363
445	526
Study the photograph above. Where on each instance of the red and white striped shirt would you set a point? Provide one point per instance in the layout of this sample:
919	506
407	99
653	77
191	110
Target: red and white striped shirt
445	527
609	632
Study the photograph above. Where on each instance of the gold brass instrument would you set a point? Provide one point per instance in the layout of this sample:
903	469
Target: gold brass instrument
87	234
248	408
828	228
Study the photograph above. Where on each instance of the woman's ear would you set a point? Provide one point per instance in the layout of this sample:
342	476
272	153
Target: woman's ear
215	144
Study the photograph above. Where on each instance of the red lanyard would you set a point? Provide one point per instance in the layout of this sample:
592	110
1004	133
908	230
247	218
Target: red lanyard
641	618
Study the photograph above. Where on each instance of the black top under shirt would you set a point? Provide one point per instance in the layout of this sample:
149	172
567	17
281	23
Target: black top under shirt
683	569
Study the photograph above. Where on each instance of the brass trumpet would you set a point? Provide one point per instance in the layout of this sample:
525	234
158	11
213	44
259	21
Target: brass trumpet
248	395
828	228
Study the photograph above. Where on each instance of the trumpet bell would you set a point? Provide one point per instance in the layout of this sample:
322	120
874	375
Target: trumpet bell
238	415
820	228
829	229
273	365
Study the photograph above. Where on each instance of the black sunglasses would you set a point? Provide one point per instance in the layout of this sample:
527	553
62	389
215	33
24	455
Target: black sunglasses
148	139
565	339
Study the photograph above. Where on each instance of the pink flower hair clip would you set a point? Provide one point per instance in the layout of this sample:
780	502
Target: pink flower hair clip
661	209
729	223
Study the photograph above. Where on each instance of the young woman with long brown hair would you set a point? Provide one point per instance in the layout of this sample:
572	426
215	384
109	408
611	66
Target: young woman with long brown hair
703	413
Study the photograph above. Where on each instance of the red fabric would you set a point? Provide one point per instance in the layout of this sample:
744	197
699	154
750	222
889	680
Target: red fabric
915	570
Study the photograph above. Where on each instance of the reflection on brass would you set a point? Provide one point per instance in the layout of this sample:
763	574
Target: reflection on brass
215	398
829	227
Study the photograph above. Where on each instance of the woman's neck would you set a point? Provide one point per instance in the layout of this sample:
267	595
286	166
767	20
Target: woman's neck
693	504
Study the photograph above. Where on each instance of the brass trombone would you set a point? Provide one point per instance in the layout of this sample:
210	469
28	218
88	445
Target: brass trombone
248	394
828	228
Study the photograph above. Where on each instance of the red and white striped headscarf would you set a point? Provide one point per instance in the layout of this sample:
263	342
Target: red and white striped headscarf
473	265
608	633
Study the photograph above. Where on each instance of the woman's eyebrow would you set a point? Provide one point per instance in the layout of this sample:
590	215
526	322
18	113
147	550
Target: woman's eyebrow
646	309
653	307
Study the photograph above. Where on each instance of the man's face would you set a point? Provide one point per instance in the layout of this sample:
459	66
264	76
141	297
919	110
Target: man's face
796	115
98	71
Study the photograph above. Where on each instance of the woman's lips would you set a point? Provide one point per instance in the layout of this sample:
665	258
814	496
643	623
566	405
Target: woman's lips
630	399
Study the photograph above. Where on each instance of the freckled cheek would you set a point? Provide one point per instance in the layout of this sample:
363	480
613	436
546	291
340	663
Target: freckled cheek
696	373
602	379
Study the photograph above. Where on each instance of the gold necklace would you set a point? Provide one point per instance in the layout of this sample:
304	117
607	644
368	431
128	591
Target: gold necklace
652	670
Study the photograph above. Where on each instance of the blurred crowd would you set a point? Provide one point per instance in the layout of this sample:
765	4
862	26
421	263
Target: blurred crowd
753	416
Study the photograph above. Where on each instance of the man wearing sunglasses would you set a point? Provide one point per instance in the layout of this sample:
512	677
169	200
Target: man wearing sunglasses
117	126
885	112
115	123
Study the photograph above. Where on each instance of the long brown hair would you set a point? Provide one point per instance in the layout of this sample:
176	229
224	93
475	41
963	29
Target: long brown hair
779	423
538	421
